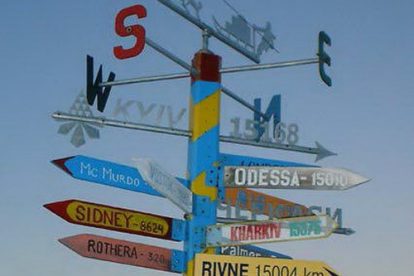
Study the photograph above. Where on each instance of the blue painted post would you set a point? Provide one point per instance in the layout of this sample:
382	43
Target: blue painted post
203	152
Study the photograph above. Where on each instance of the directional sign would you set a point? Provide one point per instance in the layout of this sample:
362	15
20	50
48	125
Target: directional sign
117	219
264	203
165	184
124	252
251	251
209	265
294	178
104	172
301	228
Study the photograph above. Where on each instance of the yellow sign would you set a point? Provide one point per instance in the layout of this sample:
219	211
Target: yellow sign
216	265
109	217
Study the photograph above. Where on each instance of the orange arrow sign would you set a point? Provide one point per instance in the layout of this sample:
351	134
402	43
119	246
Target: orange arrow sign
273	206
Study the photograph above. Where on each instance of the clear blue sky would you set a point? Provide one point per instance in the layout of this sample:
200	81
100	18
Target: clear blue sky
365	117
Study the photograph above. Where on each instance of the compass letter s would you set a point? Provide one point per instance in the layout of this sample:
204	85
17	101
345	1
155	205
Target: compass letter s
133	30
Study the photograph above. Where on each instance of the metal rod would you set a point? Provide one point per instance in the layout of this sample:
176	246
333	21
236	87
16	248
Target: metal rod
121	124
204	27
178	132
269	65
205	36
243	102
223	71
239	141
170	55
146	79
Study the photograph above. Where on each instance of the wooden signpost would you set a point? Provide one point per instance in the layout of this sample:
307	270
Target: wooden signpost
211	175
118	219
124	252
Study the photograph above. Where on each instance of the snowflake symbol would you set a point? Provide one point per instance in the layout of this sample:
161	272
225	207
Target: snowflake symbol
80	107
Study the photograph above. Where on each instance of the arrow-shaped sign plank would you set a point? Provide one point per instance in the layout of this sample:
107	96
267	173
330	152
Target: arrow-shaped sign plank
117	219
124	252
104	172
206	264
166	184
292	178
291	229
320	151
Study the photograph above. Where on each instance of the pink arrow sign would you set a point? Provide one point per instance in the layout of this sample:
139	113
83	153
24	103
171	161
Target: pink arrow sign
124	252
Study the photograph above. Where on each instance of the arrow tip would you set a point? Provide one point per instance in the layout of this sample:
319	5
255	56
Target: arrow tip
60	163
322	152
75	243
59	208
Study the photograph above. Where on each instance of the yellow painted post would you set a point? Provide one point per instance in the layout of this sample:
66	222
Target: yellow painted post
203	152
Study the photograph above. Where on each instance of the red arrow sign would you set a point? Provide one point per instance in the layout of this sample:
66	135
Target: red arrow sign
112	218
120	251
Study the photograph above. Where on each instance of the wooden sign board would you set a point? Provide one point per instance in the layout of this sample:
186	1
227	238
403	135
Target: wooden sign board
215	265
292	178
117	219
123	252
301	228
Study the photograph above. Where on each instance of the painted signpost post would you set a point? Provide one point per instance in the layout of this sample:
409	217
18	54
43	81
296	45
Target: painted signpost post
118	219
291	229
207	265
292	178
211	175
125	252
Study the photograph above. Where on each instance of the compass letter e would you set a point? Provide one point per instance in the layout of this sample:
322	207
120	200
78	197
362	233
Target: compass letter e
133	30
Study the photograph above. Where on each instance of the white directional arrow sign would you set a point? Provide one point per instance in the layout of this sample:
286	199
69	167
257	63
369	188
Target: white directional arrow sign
165	184
292	178
290	229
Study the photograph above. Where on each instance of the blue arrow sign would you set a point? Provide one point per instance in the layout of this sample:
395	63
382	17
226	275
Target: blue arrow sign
106	173
251	251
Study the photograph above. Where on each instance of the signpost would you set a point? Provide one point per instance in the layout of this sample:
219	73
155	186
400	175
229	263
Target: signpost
166	184
292	178
301	228
117	219
207	265
124	252
210	174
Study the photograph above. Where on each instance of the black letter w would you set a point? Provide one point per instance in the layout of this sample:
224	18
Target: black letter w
93	89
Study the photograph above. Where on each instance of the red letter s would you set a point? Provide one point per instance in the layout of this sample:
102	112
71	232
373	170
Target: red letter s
136	30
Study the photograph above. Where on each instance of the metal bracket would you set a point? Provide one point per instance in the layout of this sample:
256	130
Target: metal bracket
178	263
199	237
178	230
201	205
